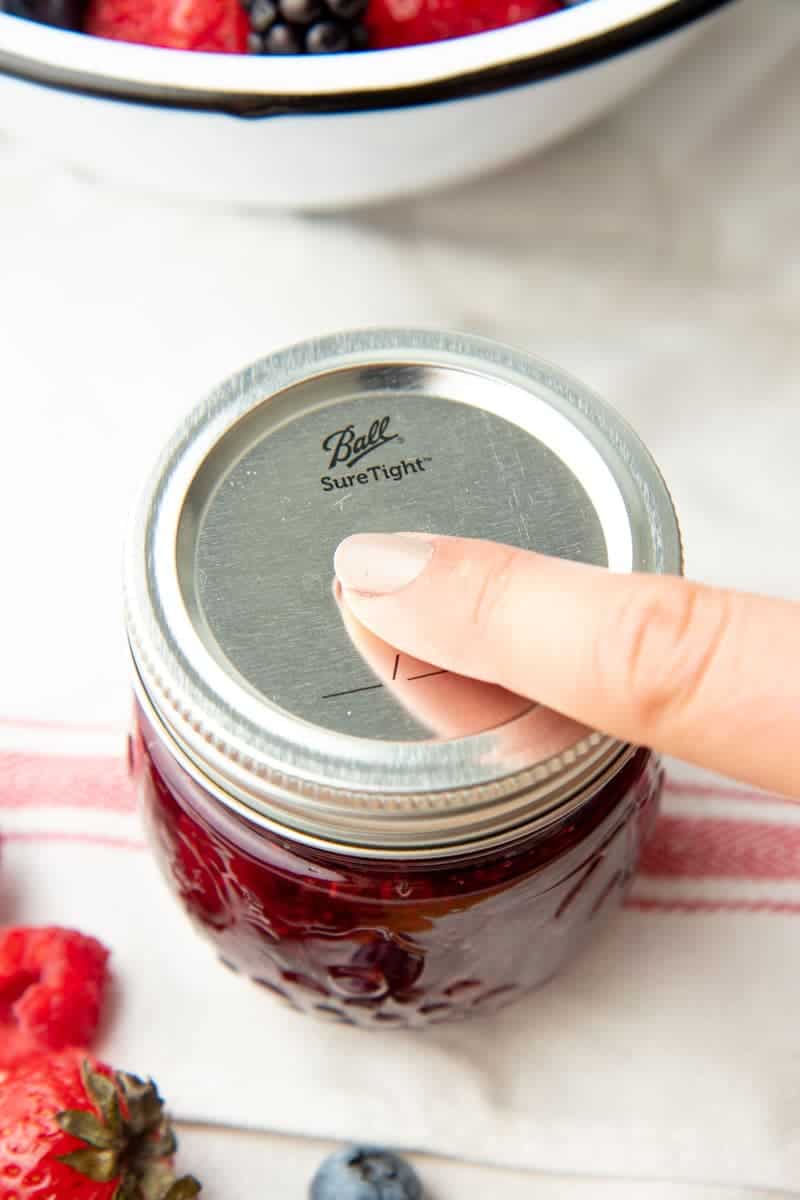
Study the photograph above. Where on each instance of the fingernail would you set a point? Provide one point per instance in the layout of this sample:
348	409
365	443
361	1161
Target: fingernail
379	563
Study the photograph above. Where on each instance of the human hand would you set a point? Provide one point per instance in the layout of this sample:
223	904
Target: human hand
707	675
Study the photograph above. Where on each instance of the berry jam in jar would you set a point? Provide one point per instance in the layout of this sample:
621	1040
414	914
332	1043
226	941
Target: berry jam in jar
375	840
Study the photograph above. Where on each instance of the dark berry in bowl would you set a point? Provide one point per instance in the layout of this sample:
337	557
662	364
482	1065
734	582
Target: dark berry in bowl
305	26
365	1173
65	14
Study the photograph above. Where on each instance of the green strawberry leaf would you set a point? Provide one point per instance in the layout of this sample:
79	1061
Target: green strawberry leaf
101	1090
101	1166
183	1189
85	1125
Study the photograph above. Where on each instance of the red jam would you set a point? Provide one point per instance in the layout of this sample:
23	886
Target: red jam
375	942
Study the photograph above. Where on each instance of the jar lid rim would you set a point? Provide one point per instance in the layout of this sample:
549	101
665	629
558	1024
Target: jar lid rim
364	790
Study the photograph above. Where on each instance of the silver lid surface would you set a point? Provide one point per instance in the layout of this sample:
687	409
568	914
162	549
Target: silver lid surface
282	705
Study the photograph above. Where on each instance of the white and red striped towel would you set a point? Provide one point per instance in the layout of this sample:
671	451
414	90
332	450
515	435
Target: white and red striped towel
718	847
670	1050
658	258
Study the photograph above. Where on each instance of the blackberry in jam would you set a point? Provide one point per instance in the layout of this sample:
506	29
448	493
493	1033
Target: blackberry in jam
334	936
306	26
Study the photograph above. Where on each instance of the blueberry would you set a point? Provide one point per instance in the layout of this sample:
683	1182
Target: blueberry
365	1173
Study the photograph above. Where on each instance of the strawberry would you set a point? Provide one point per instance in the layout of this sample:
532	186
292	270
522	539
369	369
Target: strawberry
72	1129
51	987
219	26
409	22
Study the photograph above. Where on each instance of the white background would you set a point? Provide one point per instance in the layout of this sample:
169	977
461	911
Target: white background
657	256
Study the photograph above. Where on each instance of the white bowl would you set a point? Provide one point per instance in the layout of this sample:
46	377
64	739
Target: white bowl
337	130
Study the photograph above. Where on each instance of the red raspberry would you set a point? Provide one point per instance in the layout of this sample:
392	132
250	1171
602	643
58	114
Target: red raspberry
409	22
219	26
51	988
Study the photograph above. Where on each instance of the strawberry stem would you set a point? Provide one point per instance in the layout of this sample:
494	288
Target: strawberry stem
130	1139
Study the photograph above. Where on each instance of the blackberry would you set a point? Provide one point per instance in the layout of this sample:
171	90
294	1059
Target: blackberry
65	14
305	26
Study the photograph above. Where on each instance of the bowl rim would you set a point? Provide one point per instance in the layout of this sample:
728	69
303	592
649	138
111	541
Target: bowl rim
531	51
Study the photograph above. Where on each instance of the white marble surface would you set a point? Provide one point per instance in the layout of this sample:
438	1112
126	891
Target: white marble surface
657	256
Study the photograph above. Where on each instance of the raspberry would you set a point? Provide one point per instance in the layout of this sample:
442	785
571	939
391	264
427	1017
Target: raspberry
409	22
51	988
218	26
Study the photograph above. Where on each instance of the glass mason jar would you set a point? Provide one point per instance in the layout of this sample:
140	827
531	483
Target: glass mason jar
375	840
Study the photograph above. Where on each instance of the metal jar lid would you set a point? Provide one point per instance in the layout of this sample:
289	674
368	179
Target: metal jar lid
288	711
